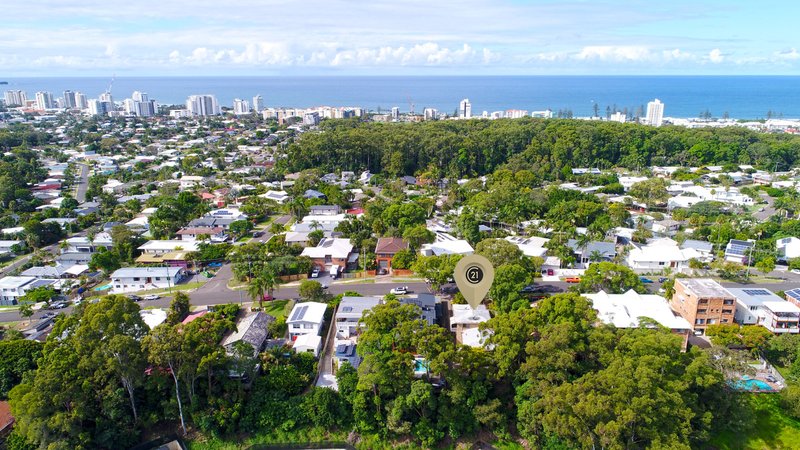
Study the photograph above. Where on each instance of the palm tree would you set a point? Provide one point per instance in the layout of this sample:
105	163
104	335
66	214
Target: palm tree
263	283
595	256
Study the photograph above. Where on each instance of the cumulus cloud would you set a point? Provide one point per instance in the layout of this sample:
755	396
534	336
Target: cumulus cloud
614	53
788	55
283	54
716	56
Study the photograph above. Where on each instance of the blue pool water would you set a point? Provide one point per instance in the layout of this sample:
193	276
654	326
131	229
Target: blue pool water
420	366
749	384
105	287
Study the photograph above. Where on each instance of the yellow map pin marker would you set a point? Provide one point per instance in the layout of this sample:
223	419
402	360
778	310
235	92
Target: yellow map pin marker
474	275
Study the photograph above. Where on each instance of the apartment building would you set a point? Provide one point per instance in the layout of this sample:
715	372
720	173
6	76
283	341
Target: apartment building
703	302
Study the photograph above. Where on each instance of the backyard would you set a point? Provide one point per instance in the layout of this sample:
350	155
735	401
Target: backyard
771	428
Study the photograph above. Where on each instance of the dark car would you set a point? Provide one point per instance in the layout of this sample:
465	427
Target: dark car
135	298
541	289
448	288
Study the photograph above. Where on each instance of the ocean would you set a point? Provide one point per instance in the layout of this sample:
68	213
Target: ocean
743	97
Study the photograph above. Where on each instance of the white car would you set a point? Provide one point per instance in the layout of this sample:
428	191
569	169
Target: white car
400	290
151	297
795	271
315	273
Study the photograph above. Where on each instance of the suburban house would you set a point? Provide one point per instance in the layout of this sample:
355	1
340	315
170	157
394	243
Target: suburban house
350	312
153	317
704	248
530	246
7	246
276	196
308	343
251	329
666	226
758	306
227	213
594	251
739	251
306	318
703	302
345	352
463	319
215	234
788	248
324	210
426	304
446	244
660	254
12	288
333	255
132	279
385	250
171	252
57	271
84	244
211	222
326	223
625	311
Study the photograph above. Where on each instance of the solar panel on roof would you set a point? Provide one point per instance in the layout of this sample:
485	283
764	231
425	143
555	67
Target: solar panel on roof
794	293
756	291
299	313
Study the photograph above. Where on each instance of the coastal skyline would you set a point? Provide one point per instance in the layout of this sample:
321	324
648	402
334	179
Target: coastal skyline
89	38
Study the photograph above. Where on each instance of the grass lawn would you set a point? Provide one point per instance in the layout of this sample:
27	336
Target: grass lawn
275	308
771	429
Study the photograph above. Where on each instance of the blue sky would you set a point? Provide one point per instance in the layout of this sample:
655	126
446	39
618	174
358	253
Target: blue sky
398	37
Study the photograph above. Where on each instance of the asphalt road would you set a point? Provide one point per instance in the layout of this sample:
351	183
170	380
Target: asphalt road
83	183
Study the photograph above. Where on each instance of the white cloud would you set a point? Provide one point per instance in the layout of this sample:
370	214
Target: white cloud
716	56
613	53
788	55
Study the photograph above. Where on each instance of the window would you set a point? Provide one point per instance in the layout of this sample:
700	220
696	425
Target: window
702	311
308	326
727	302
724	320
726	311
702	301
661	263
296	326
700	321
712	321
158	278
754	308
136	279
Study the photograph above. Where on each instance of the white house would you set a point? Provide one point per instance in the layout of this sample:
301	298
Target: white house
190	234
308	343
758	306
350	312
276	196
227	213
6	246
12	288
626	310
132	279
446	244
156	248
332	254
464	319
660	254
627	182
83	244
530	246
788	248
306	318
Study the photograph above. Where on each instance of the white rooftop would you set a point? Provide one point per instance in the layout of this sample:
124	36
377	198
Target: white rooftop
307	312
624	310
465	315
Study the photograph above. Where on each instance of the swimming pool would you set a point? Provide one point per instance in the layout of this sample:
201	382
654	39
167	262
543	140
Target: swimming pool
105	287
752	385
420	366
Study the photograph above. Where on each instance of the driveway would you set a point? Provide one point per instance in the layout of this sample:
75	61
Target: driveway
83	183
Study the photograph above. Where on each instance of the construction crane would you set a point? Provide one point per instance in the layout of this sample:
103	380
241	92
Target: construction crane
410	105
110	85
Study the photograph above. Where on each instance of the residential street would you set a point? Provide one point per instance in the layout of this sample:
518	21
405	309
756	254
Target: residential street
83	183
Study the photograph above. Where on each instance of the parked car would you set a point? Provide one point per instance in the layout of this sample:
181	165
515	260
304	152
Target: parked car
135	298
645	280
541	288
151	297
662	279
258	234
315	272
771	379
795	271
382	271
550	272
268	298
58	305
573	279
400	290
448	288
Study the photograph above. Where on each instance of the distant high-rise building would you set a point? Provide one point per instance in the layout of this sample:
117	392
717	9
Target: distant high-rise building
202	105
465	109
430	114
16	98
395	113
80	101
240	107
311	118
140	105
139	96
258	103
44	100
655	113
69	99
106	97
99	107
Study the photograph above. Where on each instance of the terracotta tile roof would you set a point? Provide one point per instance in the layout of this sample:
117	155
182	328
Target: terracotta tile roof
390	245
6	419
